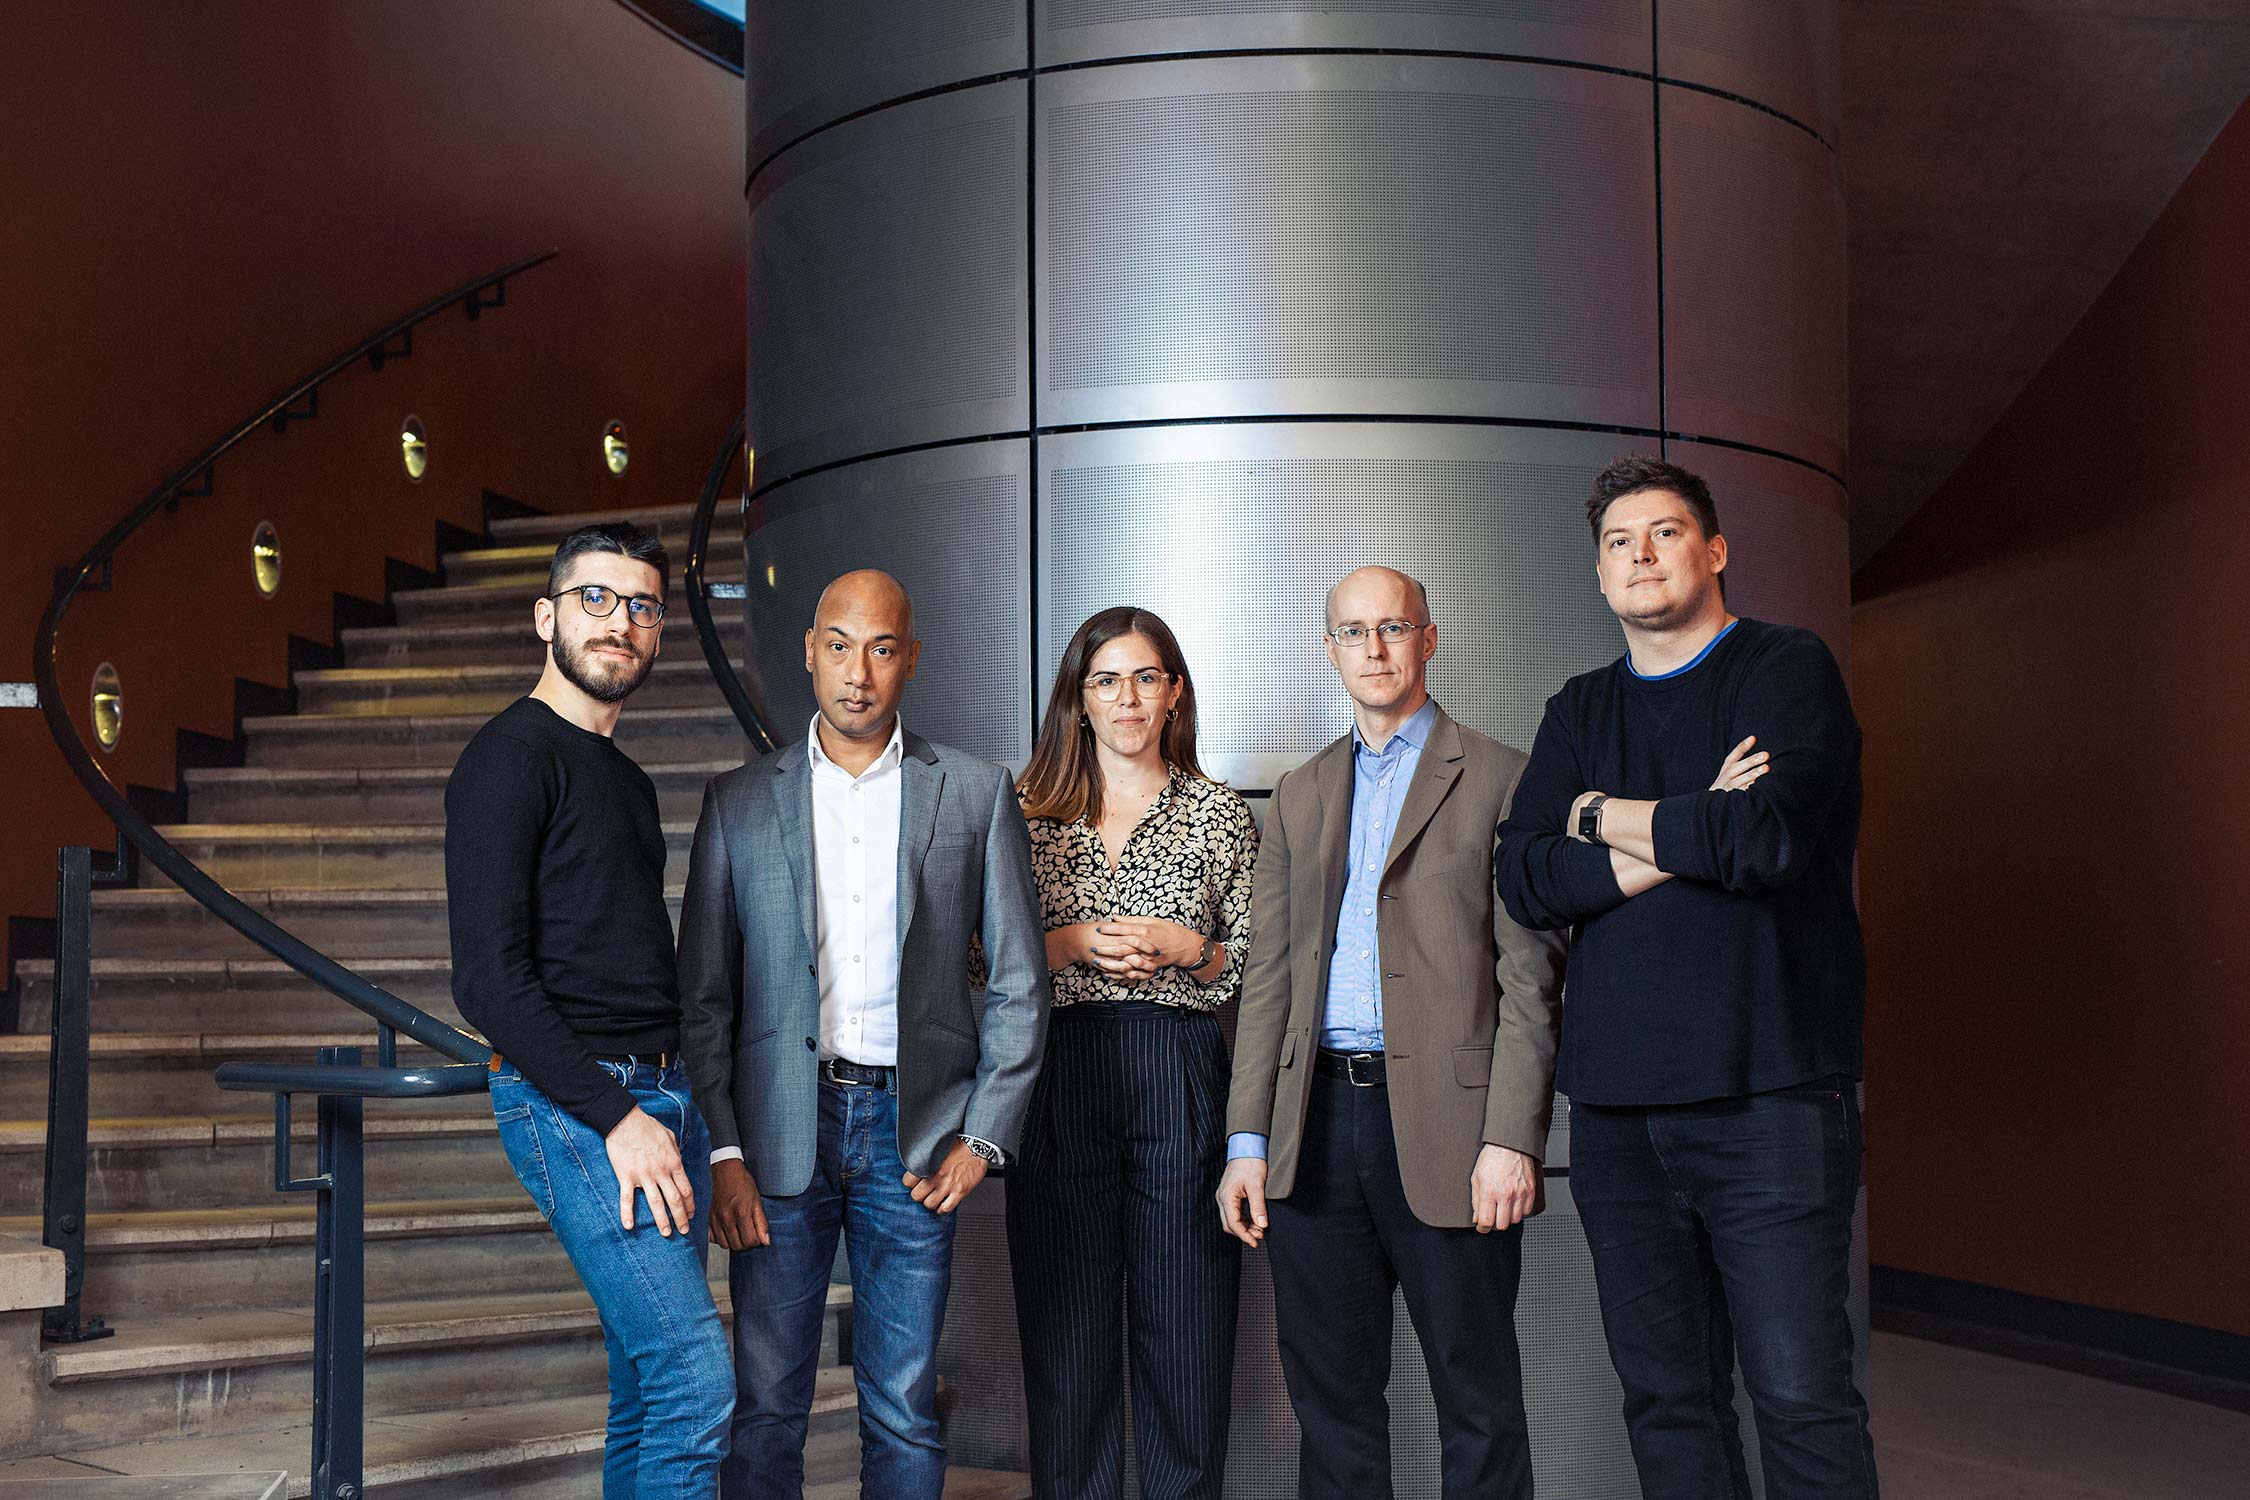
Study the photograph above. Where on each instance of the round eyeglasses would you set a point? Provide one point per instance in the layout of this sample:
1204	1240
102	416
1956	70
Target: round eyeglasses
1109	686
601	602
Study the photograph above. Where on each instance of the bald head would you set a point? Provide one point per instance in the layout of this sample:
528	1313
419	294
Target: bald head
871	596
1392	594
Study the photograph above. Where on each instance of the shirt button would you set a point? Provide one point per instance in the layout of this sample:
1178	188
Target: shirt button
855	898
1367	911
855	838
855	958
1362	954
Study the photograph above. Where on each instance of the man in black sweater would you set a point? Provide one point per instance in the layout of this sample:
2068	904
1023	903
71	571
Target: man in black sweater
1711	1027
562	957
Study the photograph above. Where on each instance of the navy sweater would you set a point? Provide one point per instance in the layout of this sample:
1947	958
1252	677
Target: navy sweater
1746	972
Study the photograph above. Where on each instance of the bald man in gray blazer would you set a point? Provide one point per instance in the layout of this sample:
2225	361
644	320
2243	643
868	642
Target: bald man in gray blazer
852	1082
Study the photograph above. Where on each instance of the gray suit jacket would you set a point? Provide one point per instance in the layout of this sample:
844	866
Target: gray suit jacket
749	977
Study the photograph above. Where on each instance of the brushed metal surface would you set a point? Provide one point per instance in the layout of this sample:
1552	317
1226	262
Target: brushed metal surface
971	593
812	62
887	297
1234	534
1611	33
1346	235
1785	57
1753	280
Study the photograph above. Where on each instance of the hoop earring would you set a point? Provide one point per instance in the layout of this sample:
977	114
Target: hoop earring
1170	714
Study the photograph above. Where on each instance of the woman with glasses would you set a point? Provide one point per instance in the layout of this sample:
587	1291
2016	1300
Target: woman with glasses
1143	867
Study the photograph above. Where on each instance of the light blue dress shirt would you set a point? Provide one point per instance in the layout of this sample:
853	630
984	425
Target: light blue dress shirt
1353	1019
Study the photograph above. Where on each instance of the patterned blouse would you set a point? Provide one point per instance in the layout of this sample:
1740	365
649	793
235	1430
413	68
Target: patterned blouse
1188	861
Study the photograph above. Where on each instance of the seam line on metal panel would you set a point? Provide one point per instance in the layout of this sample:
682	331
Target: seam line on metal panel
1650	74
1031	359
1288	419
1656	145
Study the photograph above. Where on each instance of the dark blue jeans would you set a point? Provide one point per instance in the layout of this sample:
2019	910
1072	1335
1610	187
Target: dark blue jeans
902	1265
1723	1229
669	1387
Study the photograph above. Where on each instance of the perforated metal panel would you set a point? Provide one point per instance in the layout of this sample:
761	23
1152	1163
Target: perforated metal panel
953	525
1234	534
811	62
1788	540
887	291
1346	235
1784	56
1753	280
1613	33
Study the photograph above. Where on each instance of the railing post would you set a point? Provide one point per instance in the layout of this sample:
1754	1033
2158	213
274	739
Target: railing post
69	1028
339	1311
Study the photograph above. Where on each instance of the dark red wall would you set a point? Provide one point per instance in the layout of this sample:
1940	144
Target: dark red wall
204	202
2051	663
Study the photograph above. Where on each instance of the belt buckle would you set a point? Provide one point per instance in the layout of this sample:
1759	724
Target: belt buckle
1352	1060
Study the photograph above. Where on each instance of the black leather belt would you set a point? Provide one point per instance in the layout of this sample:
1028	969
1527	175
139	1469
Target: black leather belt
657	1060
1362	1070
837	1070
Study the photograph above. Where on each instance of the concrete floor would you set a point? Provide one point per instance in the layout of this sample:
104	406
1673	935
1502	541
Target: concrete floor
1951	1424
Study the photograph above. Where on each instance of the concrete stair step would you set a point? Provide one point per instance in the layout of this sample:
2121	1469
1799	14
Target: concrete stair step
673	682
503	643
258	1255
234	1372
366	856
137	1162
650	735
524	1450
529	560
384	794
162	1072
229	994
666	520
163	921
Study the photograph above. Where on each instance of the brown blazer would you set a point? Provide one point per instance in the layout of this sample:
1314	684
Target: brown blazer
1472	1003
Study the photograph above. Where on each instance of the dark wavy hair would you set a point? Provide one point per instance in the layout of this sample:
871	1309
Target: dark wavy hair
1064	781
620	537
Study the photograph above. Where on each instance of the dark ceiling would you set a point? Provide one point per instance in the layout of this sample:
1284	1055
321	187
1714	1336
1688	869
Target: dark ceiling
2001	159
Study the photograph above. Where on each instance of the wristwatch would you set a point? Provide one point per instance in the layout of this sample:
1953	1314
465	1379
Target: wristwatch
1590	818
1203	959
985	1149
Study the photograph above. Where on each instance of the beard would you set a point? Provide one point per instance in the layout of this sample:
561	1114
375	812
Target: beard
599	679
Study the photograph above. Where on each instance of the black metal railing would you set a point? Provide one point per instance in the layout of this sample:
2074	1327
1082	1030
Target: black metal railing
700	593
340	1080
195	479
339	1184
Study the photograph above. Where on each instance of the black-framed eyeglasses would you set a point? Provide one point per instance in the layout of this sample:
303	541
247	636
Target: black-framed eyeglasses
1393	632
1107	686
601	602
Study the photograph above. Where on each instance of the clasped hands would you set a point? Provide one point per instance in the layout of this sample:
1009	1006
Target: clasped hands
1129	950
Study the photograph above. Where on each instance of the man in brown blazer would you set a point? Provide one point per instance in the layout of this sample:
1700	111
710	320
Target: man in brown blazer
1393	1068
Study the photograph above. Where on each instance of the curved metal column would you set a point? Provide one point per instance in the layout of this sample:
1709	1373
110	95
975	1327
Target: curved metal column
1199	303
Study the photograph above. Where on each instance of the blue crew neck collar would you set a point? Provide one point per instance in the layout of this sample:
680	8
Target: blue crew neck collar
1681	671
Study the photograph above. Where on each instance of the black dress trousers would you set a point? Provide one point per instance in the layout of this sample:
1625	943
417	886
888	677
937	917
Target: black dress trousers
1112	1234
1341	1243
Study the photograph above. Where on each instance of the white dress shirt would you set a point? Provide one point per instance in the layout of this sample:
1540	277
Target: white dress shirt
855	869
855	873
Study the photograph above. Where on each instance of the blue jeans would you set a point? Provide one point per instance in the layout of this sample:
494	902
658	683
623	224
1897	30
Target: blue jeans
670	1391
902	1264
1723	1230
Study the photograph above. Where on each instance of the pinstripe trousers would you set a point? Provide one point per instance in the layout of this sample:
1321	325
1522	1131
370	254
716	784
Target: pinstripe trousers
1112	1238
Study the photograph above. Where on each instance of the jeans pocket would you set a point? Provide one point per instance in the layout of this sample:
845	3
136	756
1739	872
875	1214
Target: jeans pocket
519	1137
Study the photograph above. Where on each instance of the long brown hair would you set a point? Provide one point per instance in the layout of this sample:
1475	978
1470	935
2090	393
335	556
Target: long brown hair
1064	781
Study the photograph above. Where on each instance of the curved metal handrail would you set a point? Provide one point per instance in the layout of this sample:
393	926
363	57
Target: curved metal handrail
706	629
154	847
